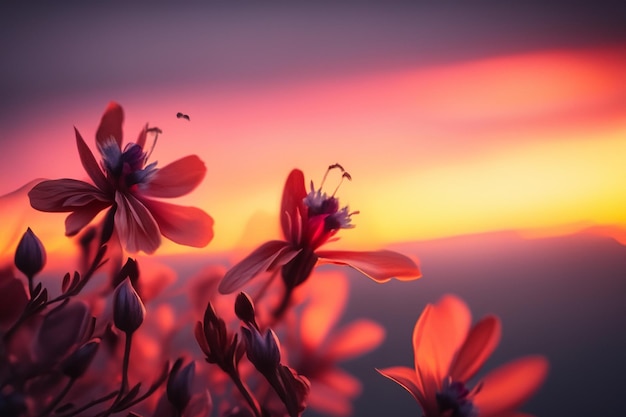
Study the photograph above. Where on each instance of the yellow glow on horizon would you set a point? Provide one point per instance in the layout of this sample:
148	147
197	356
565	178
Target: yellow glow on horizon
578	180
530	141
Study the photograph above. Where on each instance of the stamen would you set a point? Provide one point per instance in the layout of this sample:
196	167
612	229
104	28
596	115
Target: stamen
344	175
156	132
330	168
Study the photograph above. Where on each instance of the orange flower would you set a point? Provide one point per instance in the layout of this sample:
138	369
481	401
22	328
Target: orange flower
125	186
309	220
316	346
448	354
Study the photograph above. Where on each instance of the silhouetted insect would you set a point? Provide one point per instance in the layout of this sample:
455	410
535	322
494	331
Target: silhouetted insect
182	116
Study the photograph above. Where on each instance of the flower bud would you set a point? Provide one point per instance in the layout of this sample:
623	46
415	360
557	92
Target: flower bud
128	310
75	365
262	351
30	255
179	384
244	309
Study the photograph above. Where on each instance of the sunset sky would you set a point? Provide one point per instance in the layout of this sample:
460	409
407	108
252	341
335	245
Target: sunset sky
445	132
469	133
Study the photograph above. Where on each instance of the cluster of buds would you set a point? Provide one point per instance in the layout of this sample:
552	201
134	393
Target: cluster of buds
263	351
219	345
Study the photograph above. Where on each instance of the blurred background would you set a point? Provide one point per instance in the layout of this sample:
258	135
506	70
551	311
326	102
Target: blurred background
488	140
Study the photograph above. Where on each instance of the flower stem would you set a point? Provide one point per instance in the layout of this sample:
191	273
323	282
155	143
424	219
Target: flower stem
124	385
90	404
254	405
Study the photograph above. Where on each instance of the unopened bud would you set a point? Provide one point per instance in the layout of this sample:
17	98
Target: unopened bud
244	309
179	384
75	365
128	310
30	256
262	351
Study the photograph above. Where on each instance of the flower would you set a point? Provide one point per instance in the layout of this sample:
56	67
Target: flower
315	346
308	221
124	182
448	354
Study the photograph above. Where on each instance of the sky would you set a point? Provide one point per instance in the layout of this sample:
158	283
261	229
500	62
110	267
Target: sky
450	121
491	132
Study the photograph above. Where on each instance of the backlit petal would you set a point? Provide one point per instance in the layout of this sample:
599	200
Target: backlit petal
480	343
273	253
380	266
136	227
506	388
438	335
328	401
65	195
89	163
407	378
293	212
340	381
356	338
323	307
176	179
111	124
141	139
187	226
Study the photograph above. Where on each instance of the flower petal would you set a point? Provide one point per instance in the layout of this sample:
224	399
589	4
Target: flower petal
89	163
111	124
141	139
273	253
61	329
380	266
340	381
293	212
65	195
328	401
187	226
323	308
335	399
355	339
13	297
136	227
480	343
438	334
507	387
407	379
81	217
176	179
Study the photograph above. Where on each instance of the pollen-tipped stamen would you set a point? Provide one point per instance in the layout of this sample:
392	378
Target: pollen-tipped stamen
344	175
156	132
330	168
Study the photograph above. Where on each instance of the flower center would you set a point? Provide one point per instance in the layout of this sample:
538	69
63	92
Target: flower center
126	167
455	400
321	204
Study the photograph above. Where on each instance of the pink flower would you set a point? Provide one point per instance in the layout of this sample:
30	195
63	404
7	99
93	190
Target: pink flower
448	354
308	221
125	185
